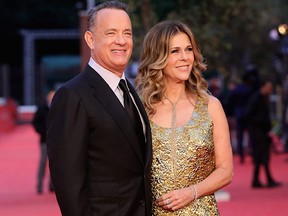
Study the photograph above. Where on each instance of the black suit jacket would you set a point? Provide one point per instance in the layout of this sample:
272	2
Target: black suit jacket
39	121
96	165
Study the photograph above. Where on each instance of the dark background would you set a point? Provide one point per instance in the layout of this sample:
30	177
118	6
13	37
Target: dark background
233	35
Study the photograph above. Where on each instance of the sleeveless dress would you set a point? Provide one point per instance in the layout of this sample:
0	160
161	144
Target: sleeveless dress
184	156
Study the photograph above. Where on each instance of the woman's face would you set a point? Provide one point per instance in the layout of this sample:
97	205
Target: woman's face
180	59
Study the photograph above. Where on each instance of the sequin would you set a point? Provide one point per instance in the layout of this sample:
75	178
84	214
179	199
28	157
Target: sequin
192	161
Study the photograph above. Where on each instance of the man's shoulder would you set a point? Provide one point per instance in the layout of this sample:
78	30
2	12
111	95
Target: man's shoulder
84	77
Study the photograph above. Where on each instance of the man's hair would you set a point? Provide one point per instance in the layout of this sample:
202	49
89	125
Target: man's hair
106	5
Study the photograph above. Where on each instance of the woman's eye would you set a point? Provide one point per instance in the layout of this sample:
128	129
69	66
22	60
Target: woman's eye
189	49
174	51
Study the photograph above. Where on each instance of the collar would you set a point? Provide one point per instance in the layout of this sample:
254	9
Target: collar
110	78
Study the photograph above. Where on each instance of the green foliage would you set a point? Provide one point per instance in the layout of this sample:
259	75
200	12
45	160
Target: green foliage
232	34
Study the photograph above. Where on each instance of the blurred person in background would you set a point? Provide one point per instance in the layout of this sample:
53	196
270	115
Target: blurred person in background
257	115
237	102
39	124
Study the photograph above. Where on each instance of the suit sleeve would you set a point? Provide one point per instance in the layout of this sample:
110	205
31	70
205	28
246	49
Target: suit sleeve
39	121
67	141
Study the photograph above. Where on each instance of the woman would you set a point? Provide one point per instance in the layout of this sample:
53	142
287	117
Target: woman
192	156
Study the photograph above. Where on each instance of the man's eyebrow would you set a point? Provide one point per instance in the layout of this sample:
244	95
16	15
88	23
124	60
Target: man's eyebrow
114	29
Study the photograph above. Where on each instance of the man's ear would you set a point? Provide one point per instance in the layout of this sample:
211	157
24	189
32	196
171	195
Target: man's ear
88	36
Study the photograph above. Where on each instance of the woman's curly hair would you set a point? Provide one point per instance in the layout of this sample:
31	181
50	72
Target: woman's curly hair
155	51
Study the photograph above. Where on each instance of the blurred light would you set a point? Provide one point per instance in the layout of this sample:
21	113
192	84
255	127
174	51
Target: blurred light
283	29
274	35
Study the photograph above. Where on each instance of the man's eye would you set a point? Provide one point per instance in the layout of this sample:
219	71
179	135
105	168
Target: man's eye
128	33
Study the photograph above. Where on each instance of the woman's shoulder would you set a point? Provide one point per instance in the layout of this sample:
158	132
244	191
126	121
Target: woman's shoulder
210	100
213	100
214	104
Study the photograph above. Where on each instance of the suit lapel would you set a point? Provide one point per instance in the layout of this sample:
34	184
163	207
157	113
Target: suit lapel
112	105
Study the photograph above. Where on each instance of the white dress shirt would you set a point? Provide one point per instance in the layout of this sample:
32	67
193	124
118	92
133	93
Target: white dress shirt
112	80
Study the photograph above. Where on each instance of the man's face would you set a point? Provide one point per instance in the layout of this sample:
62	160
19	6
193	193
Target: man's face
112	40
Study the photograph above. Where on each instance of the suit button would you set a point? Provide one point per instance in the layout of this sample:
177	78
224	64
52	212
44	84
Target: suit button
142	202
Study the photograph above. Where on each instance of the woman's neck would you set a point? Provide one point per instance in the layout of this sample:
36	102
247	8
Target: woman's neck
175	93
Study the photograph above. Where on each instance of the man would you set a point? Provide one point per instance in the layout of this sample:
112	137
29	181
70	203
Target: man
39	124
99	165
259	126
238	101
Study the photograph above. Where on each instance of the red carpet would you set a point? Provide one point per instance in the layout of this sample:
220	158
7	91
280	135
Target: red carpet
246	201
19	152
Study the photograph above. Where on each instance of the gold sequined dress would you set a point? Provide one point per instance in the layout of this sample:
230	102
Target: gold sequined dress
184	156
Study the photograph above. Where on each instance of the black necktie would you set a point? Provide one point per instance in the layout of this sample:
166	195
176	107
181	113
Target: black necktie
132	112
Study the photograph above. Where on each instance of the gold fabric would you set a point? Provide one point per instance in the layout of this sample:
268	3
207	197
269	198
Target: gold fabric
184	156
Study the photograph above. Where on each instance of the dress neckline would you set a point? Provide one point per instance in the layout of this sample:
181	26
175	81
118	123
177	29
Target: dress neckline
180	126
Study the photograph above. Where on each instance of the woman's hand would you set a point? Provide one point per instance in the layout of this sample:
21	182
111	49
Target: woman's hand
176	199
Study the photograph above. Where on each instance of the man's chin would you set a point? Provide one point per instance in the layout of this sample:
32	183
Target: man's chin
120	64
